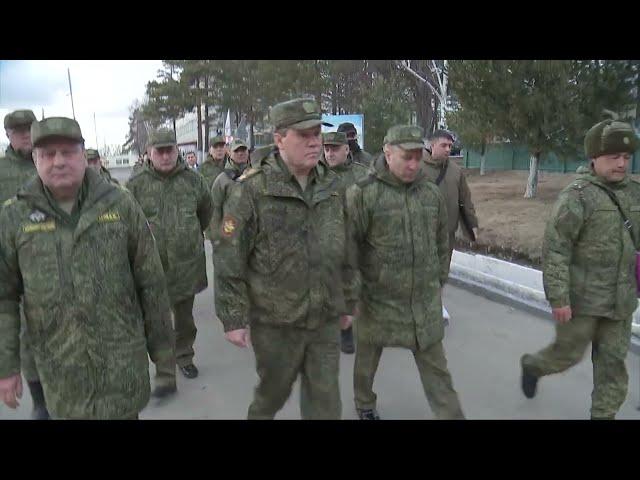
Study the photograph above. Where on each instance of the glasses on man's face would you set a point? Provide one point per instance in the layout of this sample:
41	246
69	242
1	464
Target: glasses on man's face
66	152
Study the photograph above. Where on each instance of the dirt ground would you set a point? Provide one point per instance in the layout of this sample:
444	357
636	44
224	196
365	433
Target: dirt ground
512	227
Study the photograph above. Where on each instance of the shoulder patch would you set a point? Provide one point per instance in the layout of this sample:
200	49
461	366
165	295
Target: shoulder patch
229	225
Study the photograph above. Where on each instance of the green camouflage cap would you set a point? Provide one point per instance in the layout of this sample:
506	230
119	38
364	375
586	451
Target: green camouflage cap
216	140
19	118
236	144
334	138
610	136
299	114
92	153
55	127
162	138
407	137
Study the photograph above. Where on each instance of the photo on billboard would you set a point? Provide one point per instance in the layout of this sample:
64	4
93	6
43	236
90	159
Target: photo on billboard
336	120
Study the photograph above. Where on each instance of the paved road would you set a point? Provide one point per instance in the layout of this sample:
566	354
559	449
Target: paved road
483	345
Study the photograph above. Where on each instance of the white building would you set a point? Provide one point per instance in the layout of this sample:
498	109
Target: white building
187	130
115	161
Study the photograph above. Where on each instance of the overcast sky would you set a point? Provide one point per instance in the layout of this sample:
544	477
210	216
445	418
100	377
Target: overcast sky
106	87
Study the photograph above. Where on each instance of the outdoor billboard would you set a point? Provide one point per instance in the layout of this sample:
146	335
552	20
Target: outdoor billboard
356	119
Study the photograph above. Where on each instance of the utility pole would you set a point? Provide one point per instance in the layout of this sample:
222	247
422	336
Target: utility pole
71	94
95	128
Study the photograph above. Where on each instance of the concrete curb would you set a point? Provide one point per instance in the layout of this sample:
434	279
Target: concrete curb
515	285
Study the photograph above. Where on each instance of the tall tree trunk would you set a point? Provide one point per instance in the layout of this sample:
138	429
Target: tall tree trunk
424	109
206	113
198	107
532	182
483	152
318	92
137	143
251	122
637	91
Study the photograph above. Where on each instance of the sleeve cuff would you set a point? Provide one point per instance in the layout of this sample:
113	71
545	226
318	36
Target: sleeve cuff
234	324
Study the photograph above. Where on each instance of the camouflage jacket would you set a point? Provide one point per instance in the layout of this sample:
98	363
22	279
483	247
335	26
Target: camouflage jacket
95	298
361	157
349	172
104	173
179	208
588	256
280	258
455	191
137	167
15	171
210	169
400	237
220	192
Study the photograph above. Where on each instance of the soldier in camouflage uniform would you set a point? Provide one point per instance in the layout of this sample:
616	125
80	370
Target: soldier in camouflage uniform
398	227
214	164
16	165
336	155
94	162
238	158
82	255
281	268
215	161
16	169
356	154
234	167
452	182
178	205
589	270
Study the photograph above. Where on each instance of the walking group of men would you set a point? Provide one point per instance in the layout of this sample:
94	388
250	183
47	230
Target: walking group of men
317	247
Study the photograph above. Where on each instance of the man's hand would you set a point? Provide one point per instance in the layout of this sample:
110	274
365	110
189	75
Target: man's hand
11	390
240	337
345	321
562	314
475	232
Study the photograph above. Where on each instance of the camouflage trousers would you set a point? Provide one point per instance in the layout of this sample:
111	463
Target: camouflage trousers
284	352
185	331
134	416
184	336
610	343
435	377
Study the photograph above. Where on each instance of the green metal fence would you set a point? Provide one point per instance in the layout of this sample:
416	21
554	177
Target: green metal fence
505	156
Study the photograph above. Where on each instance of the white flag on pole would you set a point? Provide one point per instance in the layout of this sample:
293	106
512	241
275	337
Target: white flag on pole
227	128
